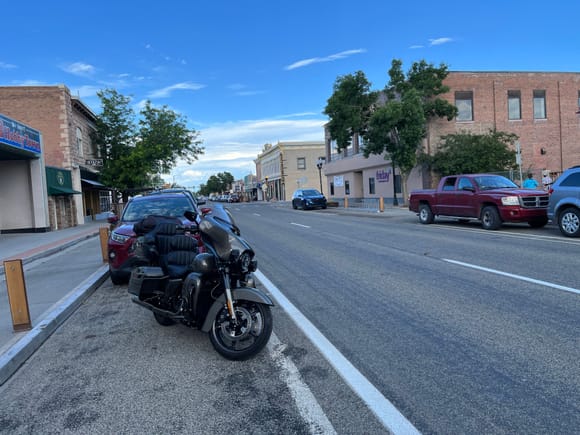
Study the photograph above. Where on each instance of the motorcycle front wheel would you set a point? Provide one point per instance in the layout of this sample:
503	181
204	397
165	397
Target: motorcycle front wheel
248	336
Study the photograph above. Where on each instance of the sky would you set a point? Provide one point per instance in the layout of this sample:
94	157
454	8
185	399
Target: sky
247	73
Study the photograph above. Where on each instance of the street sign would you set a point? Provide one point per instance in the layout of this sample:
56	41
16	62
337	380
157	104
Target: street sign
94	162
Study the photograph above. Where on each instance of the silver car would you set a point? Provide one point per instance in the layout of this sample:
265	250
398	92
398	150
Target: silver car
564	207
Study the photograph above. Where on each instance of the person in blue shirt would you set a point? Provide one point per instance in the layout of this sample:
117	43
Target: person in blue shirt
530	183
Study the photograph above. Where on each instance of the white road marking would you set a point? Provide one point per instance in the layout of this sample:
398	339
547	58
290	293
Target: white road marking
256	214
384	410
299	225
511	275
307	404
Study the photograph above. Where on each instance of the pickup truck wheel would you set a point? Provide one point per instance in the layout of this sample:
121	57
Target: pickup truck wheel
569	222
538	222
425	214
490	218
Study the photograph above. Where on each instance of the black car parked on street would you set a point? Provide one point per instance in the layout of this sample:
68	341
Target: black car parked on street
307	199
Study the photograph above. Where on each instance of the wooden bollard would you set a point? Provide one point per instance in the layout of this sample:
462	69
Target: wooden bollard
345	202
17	298
381	204
104	235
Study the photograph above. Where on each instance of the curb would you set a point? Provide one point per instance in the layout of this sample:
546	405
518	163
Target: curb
15	356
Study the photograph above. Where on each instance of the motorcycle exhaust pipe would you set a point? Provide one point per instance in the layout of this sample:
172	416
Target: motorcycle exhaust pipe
157	310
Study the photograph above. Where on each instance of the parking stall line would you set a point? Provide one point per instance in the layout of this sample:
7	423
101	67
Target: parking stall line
387	414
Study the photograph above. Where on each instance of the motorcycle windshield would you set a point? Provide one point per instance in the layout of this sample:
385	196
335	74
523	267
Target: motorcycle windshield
220	236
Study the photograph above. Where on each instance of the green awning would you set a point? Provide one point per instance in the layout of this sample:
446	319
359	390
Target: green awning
59	181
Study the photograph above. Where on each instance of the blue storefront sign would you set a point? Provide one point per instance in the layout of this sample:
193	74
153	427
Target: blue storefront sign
17	135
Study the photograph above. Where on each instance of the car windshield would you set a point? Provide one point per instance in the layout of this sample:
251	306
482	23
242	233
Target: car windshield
489	182
169	206
311	192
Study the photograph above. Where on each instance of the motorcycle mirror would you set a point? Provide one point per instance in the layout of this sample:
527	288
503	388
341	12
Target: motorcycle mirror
190	215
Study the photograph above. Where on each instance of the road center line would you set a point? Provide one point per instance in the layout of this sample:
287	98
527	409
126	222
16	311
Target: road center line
385	411
511	275
299	225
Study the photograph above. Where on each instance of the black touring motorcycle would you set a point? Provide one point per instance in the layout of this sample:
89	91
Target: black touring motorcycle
213	291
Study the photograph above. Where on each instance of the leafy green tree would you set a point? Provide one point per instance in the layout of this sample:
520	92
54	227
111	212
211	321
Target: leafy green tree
349	108
135	154
219	183
398	127
468	153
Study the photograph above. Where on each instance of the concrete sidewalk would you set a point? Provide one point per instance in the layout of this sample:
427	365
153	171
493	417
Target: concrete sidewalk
61	268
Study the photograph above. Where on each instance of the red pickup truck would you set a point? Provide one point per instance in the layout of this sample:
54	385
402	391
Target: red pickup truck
493	199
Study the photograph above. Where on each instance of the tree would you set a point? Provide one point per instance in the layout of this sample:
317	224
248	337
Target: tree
135	156
349	108
398	127
219	183
468	153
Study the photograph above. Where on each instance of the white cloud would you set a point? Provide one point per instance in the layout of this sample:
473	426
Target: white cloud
440	41
414	47
79	68
4	65
166	92
233	146
331	58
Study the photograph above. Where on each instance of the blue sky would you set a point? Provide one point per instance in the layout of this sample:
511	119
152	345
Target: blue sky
246	73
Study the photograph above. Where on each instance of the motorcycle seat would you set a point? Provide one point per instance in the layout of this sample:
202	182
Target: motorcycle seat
179	259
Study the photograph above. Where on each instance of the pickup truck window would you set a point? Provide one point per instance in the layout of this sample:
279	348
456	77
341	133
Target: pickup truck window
489	182
463	183
449	184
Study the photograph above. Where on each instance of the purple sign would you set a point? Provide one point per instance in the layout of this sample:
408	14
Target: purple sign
18	135
383	176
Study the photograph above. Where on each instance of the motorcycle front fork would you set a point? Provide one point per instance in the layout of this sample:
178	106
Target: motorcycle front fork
229	298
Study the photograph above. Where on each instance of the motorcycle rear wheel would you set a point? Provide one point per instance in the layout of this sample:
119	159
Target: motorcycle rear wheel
248	337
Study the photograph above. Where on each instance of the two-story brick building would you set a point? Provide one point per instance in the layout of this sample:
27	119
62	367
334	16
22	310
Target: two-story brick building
540	107
66	124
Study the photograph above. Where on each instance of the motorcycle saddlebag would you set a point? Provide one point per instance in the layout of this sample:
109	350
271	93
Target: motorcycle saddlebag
147	281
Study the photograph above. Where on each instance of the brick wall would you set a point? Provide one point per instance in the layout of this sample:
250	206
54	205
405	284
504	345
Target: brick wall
558	134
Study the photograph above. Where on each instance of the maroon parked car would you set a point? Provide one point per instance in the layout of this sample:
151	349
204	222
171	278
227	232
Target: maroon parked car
121	244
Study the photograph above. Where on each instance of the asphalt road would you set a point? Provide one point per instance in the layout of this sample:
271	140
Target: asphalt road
455	349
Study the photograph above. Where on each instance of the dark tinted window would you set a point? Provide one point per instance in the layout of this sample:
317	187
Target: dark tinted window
572	180
161	206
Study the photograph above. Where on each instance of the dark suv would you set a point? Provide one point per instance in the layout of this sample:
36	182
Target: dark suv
121	244
564	207
307	199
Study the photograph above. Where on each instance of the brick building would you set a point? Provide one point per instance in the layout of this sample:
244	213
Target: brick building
65	124
540	107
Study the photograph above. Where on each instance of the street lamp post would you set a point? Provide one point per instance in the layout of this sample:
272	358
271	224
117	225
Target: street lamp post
319	164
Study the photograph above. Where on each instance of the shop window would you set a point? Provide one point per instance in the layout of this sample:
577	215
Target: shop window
539	104
346	187
514	105
464	104
331	189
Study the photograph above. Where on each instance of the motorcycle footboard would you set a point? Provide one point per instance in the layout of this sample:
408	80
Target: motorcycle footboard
164	313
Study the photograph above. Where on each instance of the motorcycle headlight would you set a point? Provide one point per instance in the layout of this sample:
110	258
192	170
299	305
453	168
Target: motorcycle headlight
245	260
510	200
119	238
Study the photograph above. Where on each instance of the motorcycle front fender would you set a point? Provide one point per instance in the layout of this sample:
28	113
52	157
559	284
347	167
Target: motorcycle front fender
240	294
